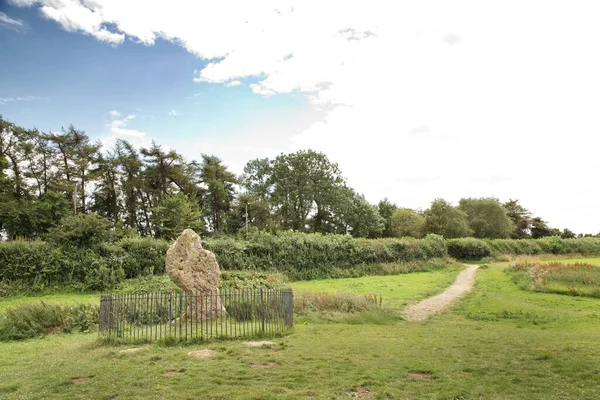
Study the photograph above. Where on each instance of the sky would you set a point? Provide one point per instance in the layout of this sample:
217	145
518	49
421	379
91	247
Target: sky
415	100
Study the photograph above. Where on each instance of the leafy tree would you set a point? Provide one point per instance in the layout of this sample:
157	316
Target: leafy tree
219	190
407	222
568	234
363	219
106	196
540	228
258	213
33	217
386	209
443	219
175	213
305	190
487	218
82	230
136	200
164	173
521	218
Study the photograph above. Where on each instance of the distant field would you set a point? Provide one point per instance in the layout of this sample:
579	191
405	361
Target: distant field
397	288
593	261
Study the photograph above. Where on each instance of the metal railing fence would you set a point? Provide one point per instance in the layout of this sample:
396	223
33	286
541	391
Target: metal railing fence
182	316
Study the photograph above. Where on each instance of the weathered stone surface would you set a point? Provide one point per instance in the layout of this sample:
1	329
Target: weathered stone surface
196	271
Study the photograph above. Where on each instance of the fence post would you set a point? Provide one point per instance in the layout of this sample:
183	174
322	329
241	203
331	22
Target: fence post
262	309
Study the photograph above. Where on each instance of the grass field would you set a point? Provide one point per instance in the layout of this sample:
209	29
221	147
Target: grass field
396	290
499	342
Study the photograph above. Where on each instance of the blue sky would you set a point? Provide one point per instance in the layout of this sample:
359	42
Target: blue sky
413	100
76	79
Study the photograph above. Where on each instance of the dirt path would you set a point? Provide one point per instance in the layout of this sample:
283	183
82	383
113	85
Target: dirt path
426	308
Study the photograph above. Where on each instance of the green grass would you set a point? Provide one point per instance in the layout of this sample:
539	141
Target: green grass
593	261
395	289
499	342
62	298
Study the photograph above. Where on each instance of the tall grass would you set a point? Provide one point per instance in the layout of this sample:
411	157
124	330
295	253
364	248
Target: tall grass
578	279
39	319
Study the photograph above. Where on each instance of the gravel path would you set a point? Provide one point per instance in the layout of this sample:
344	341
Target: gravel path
426	308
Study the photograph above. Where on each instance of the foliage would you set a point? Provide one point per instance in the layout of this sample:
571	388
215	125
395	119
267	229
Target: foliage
441	218
219	191
406	222
38	319
468	248
309	256
32	217
540	229
82	231
251	279
487	218
174	213
521	218
386	210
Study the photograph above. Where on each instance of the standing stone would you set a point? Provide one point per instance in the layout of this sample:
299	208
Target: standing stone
196	271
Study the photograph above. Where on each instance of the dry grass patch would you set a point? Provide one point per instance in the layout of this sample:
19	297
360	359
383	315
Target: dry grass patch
205	353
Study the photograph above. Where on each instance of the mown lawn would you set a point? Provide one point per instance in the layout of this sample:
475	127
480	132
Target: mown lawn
499	342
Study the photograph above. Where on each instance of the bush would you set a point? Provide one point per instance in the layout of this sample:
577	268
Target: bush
38	319
468	248
251	280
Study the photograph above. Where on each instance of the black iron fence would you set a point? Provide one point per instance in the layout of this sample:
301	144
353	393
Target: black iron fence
181	316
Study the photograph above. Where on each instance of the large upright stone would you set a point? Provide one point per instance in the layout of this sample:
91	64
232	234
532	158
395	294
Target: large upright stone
196	271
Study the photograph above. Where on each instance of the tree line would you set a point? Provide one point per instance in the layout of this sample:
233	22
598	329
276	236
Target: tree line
49	179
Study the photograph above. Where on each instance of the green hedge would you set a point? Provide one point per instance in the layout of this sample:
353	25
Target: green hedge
298	255
310	256
470	248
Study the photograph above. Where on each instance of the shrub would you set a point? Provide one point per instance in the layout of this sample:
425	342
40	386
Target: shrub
38	319
251	279
468	248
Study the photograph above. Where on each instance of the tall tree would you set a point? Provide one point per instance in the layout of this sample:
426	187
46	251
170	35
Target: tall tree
165	172
521	218
305	190
386	209
487	218
106	197
137	205
407	222
443	219
540	228
218	192
174	213
362	219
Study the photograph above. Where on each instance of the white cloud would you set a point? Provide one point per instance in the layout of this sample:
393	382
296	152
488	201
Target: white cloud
13	24
6	100
174	113
508	91
233	83
114	113
118	130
